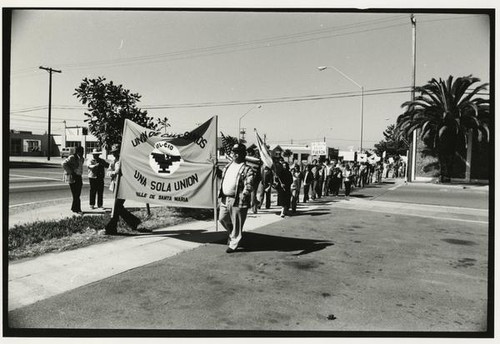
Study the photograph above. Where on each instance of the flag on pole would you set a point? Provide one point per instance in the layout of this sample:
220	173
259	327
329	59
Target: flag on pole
265	155
227	143
169	169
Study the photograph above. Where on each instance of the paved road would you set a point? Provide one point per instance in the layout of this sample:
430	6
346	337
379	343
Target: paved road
41	184
343	265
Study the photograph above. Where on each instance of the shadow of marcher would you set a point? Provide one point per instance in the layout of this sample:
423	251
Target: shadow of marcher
258	242
360	196
251	242
314	212
194	235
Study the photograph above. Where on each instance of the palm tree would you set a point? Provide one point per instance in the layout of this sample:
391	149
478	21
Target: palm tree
287	154
163	123
445	112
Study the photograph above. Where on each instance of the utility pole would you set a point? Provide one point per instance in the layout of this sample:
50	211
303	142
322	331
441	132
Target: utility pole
50	70
413	145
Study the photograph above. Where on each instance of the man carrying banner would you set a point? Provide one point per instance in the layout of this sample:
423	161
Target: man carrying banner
235	195
119	210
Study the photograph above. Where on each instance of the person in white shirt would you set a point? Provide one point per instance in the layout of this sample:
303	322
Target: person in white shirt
235	196
73	168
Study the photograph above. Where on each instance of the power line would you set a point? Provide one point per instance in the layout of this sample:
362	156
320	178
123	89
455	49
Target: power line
379	91
374	92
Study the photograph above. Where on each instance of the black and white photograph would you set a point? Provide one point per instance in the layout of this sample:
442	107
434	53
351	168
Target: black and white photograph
251	170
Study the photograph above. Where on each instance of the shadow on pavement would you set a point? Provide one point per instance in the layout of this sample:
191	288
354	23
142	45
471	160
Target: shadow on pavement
258	242
251	242
360	196
315	212
194	235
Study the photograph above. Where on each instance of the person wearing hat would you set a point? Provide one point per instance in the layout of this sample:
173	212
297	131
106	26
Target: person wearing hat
235	195
119	210
336	179
96	167
73	169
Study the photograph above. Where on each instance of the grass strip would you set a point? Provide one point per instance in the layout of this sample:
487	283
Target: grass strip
37	238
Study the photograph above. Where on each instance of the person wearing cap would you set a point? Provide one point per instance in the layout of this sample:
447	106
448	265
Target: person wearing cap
283	183
119	210
265	184
336	179
235	195
308	180
73	170
96	167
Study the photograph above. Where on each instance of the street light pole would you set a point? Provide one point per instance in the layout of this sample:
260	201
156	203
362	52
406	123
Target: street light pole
322	68
411	174
239	122
50	70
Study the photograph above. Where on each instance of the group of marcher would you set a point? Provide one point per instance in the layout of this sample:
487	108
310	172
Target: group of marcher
245	184
316	179
248	185
97	168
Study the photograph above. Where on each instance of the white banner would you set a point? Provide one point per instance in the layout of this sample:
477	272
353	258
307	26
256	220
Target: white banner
168	169
362	157
318	148
265	155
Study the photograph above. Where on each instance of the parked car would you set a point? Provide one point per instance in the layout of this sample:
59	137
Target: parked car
67	151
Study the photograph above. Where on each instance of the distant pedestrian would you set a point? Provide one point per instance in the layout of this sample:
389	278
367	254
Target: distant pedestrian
73	168
315	179
283	182
255	163
336	179
295	187
265	185
327	188
363	172
96	169
348	180
235	196
119	210
320	180
308	179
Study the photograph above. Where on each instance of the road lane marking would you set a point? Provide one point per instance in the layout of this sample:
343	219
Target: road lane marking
44	201
396	186
35	177
446	218
361	205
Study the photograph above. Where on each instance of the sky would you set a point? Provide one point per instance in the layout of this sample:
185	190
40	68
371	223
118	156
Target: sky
190	65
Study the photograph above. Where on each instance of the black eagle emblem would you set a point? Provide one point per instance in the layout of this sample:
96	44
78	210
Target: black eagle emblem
164	161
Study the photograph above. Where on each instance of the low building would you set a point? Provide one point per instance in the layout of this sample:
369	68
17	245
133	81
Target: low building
79	137
303	154
300	153
25	143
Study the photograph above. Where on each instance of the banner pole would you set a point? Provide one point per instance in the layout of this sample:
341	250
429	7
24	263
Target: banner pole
215	174
117	184
120	160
